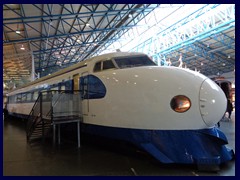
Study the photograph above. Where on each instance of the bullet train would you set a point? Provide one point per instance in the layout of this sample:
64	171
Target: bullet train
169	112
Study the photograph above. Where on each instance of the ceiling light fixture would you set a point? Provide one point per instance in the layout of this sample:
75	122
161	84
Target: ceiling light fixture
130	16
22	48
17	31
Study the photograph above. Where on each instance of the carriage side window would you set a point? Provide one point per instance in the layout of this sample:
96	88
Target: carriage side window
14	98
29	96
35	95
54	90
62	88
44	95
68	85
11	99
24	97
108	65
97	67
19	97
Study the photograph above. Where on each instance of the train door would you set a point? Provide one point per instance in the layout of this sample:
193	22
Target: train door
85	94
76	82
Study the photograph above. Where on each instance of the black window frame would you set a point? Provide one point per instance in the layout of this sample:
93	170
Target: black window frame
96	67
109	67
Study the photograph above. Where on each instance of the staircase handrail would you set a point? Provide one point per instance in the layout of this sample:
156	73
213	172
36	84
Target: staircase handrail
31	112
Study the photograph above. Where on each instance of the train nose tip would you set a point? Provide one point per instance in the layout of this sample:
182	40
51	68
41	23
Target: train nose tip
212	102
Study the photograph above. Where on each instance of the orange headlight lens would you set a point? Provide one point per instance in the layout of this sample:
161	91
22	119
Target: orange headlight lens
180	103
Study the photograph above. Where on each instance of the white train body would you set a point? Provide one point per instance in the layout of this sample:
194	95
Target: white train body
140	98
144	94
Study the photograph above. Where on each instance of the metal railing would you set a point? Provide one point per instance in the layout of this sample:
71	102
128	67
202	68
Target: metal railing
50	108
65	104
34	117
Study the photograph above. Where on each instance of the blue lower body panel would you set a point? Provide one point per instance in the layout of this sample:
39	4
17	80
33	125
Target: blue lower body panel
206	146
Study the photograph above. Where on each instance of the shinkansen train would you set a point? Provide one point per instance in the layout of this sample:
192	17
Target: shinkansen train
169	112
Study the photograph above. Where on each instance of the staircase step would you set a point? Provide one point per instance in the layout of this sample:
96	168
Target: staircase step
40	127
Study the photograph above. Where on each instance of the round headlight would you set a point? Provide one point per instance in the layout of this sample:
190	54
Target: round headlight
180	103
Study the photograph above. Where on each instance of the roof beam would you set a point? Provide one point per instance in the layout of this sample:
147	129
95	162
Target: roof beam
56	16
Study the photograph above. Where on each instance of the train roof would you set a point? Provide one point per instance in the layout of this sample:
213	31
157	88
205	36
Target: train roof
81	64
112	55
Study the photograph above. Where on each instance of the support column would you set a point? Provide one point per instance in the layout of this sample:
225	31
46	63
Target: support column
54	134
59	138
78	129
33	65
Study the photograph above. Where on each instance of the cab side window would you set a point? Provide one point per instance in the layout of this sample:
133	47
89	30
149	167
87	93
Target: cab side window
103	65
108	65
97	67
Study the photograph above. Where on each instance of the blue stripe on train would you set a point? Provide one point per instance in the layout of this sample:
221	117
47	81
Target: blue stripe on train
205	146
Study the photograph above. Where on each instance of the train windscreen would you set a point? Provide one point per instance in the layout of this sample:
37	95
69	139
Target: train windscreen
134	61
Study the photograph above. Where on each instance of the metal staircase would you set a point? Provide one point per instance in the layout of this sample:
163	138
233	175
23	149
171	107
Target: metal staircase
50	109
41	128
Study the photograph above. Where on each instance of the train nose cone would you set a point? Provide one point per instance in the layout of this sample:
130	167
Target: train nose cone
212	102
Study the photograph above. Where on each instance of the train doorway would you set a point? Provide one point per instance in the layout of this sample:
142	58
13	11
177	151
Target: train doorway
76	82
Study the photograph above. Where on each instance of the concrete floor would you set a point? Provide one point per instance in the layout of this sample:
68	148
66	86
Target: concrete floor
104	158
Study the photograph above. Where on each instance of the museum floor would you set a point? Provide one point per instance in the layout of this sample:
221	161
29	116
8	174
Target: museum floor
104	158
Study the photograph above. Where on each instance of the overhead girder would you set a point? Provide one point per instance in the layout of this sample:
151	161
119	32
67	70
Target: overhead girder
32	39
199	50
73	34
209	21
225	40
52	44
122	34
64	34
72	14
119	23
67	40
115	23
181	33
98	43
62	20
78	55
192	54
